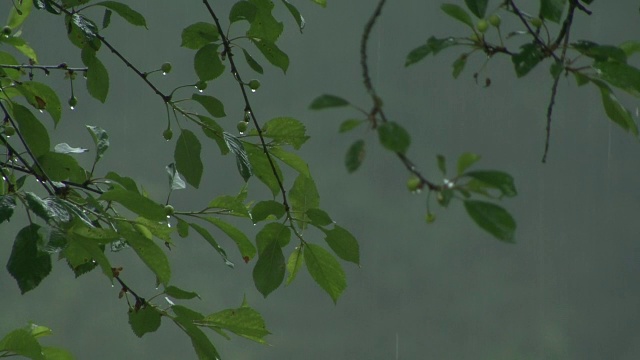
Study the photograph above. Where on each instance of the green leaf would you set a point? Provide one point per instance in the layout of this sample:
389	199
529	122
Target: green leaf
495	179
27	263
268	272
47	209
7	204
42	97
296	259
262	167
34	133
614	110
59	167
183	228
229	203
137	203
620	75
630	47
126	182
457	13
394	137
175	181
213	106
100	139
459	65
273	232
552	9
150	253
492	218
243	321
21	342
264	25
198	35
465	161
207	236
207	62
442	164
161	230
252	62
97	75
319	217
327	101
128	14
145	320
477	7
272	53
286	130
187	157
51	353
529	56
296	14
263	209
325	270
82	31
98	235
600	52
343	244
242	159
355	156
247	250
291	159
8	59
242	10
177	293
19	13
214	131
302	197
106	18
22	46
350	124
322	3
201	343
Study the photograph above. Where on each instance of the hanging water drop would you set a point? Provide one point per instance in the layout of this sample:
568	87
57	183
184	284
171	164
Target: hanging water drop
72	107
164	73
253	90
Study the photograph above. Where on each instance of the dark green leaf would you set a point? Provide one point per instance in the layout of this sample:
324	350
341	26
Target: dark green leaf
529	56
201	343
8	59
242	10
145	320
264	25
177	293
492	218
59	167
325	270
214	131
552	9
273	232
319	217
7	204
97	75
27	263
131	16
327	101
272	53
442	164
262	168
459	65
211	104
207	236
302	197
242	159
600	52
47	209
106	18
243	321
620	75
207	62
198	35
137	203
286	130
350	124
343	244
34	133
630	47
21	342
42	97
465	161
187	157
296	14
614	110
126	182
457	13
247	250
161	230
394	137
477	7
183	228
263	209
417	54
268	272
252	62
82	31
100	139
150	253
355	156
294	263
496	179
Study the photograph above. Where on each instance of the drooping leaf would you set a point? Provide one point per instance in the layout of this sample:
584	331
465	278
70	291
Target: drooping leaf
394	137
294	263
458	65
42	97
201	343
177	293
268	272
242	10
442	164
327	101
492	218
137	203
272	53
212	241
7	204
495	179
350	124
465	161
34	133
291	159
175	181
302	197
262	167
100	139
286	130
620	75
252	62
477	7
18	13
528	57
458	13
325	270
207	62
243	321
21	342
355	156
27	263
247	250
343	243
198	35
145	320
187	157
319	217
213	106
148	251
242	159
131	16
263	209
97	75
296	14
552	9
214	131
614	109
64	148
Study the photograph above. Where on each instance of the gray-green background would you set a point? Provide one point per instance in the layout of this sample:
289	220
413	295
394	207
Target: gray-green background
567	290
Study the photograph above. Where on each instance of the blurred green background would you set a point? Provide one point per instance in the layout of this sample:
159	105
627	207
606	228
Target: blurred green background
567	290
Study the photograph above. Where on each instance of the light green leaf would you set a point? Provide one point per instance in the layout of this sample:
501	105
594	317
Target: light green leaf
150	253
495	179
394	137
19	13
327	101
177	293
82	31
137	203
620	75
322	3
286	130
21	342
247	250
263	209
457	13
466	160
230	203
207	62
126	182
273	232
131	16
262	168
325	270
272	53
213	106
242	10
242	159
614	109
296	259
343	244
243	321
42	97
34	133
175	181
214	131
145	320
296	14
264	25
187	157
291	159
492	218
201	343
198	35
64	148
100	139
355	156
350	124
302	197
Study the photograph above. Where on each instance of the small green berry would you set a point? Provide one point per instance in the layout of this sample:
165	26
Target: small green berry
201	85
166	68
169	210
73	101
495	20
482	25
254	84
167	134
9	130
242	126
414	184
474	37
6	31
536	22
430	218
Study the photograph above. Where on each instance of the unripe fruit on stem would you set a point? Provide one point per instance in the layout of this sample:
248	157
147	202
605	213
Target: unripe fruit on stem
167	134
6	30
495	20
254	84
201	85
73	101
482	25
429	218
536	22
414	183
242	126
166	67
475	38
169	210
9	130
